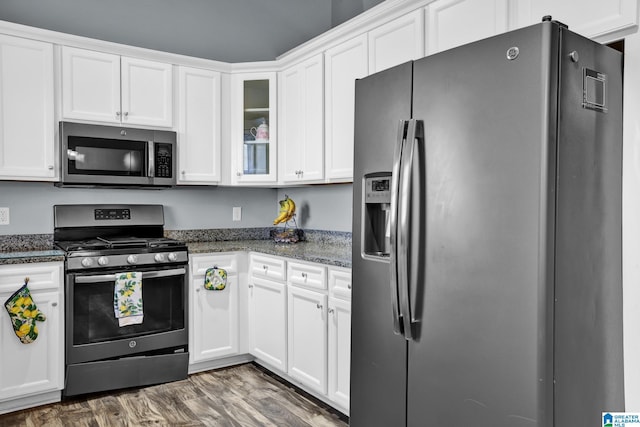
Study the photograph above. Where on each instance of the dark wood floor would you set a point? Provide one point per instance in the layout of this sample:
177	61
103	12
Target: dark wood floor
244	395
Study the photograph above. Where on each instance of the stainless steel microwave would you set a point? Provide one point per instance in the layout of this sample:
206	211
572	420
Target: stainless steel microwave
97	155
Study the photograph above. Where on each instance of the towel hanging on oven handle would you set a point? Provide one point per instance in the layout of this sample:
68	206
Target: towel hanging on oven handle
145	275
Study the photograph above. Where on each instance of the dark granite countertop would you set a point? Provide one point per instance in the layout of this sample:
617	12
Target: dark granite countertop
324	247
25	257
320	252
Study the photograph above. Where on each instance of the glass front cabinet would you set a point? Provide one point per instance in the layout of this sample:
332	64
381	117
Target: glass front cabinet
254	128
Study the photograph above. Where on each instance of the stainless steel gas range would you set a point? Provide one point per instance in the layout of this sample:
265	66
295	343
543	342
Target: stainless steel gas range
106	349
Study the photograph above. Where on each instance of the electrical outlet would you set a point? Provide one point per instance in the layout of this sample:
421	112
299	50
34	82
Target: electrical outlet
237	213
4	216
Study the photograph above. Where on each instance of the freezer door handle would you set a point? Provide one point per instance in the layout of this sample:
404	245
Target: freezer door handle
393	220
410	229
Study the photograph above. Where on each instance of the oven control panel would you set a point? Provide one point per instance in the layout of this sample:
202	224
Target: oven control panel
109	214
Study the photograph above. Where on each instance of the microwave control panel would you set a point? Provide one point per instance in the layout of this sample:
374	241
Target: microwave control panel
163	160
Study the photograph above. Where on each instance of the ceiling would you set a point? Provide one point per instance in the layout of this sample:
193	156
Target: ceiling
223	30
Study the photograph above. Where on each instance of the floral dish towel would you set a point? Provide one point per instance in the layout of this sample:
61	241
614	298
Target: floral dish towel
24	314
127	298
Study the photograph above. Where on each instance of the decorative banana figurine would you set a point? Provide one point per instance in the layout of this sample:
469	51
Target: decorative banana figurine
287	211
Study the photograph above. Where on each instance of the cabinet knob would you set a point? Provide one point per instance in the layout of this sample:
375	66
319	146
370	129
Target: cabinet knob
265	267
238	173
183	172
197	289
331	311
117	113
54	304
50	167
126	114
349	286
304	276
319	306
250	286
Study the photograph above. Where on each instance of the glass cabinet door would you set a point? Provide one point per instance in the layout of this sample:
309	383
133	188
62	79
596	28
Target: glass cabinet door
256	152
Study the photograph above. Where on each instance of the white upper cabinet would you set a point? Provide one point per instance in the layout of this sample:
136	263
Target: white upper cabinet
301	136
108	88
590	18
199	113
452	23
253	128
147	92
27	130
344	64
396	42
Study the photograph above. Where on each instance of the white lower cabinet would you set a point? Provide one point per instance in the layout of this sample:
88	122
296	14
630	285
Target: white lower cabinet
339	344
307	334
268	310
268	322
214	319
32	374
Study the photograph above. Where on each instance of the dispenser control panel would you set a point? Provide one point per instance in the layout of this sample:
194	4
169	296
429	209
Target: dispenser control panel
378	189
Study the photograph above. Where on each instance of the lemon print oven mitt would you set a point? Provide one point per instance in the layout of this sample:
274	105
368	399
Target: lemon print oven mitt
24	314
215	279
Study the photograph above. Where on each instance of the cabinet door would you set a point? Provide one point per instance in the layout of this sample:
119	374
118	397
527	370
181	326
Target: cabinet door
214	314
452	23
254	124
38	367
147	92
339	352
396	42
301	131
27	143
268	322
343	65
591	18
90	85
198	126
307	337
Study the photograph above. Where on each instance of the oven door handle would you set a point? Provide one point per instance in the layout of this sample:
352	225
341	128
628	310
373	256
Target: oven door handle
145	275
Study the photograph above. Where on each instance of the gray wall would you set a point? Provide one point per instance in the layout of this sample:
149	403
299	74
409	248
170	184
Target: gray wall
326	207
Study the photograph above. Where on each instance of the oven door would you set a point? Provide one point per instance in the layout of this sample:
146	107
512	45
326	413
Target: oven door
93	331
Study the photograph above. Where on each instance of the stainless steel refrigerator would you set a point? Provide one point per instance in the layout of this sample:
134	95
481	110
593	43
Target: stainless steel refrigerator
487	236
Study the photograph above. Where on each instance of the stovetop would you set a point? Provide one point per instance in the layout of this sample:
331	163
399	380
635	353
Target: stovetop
115	236
117	242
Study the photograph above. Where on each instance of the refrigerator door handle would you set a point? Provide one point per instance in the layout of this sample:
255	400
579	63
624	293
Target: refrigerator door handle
404	222
393	220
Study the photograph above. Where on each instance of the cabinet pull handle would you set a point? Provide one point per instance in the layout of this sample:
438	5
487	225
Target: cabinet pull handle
250	286
349	286
54	304
331	310
319	306
265	267
304	276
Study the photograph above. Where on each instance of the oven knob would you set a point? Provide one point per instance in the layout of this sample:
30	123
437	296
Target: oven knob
159	258
172	257
132	259
103	260
87	262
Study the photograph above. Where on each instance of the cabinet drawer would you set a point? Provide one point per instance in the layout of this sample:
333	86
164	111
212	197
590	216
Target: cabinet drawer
308	275
266	266
200	263
41	276
340	283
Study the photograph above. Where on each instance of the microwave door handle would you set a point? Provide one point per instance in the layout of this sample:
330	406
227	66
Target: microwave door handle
151	170
145	275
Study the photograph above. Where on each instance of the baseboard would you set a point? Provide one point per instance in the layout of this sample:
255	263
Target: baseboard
25	402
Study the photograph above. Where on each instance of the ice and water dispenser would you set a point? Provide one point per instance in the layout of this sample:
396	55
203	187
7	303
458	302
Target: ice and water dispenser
376	220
